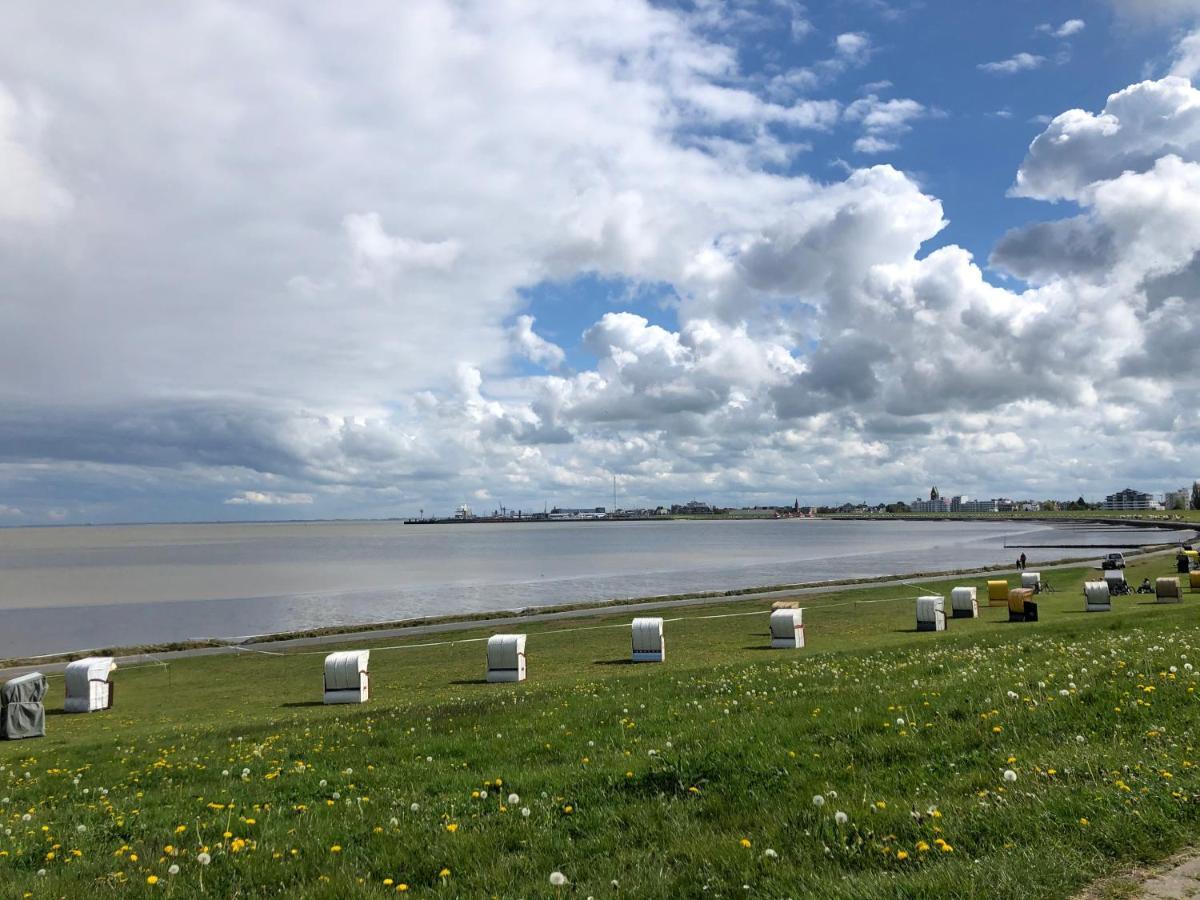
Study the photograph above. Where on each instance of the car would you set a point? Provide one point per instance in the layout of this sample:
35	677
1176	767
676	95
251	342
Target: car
1113	561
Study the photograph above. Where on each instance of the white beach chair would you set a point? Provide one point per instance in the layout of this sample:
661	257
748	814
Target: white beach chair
1115	579
649	645
963	603
88	685
1166	590
1097	597
1032	580
506	657
931	614
22	709
787	629
346	676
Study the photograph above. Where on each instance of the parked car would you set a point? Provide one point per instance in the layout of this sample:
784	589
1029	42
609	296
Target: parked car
1113	561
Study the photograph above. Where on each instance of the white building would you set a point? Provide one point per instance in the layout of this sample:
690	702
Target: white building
1130	499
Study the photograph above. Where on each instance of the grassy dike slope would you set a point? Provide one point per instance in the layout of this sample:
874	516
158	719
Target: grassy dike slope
691	778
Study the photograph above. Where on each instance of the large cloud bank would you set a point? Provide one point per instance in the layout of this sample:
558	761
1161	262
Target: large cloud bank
286	266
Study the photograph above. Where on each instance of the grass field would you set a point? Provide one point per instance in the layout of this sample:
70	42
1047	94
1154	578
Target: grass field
696	777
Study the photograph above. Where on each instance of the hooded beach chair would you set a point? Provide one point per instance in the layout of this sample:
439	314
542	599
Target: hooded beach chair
1166	590
787	629
963	604
1096	596
506	657
997	593
1021	607
1115	579
1194	581
346	677
931	614
649	645
22	707
88	685
1031	580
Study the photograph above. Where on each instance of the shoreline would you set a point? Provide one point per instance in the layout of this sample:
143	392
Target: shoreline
463	621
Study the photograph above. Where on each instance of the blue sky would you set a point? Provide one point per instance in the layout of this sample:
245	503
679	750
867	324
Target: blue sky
966	151
296	262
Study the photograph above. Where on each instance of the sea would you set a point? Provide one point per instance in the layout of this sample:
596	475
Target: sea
76	588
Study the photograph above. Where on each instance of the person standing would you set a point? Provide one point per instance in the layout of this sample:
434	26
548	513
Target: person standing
1022	562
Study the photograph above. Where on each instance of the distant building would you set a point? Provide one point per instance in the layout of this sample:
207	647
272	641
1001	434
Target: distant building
692	508
1180	499
978	506
934	505
596	512
1130	499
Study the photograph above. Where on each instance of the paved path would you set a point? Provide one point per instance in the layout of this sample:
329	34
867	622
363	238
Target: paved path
284	645
1178	878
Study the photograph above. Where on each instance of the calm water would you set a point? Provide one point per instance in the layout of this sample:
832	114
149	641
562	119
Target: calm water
75	588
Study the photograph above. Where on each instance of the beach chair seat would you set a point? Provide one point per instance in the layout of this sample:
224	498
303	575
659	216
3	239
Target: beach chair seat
506	658
963	603
649	645
1096	596
347	679
88	688
22	707
931	614
787	629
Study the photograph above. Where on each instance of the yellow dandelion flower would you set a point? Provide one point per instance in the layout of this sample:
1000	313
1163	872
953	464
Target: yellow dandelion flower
745	842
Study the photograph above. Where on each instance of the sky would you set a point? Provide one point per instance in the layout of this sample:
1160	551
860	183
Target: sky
277	261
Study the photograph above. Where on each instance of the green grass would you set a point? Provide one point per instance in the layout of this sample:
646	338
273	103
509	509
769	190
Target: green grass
652	776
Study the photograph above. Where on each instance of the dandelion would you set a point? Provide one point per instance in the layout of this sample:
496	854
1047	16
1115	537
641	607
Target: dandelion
336	848
151	879
416	807
1010	776
840	817
902	855
558	879
513	799
770	854
525	812
173	869
203	858
745	842
818	801
452	827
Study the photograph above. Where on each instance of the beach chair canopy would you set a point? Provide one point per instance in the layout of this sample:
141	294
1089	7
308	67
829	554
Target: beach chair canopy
1096	594
1017	598
931	611
963	599
22	708
29	688
347	679
88	687
506	657
647	635
998	592
1194	580
1031	579
1114	576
